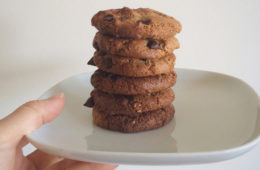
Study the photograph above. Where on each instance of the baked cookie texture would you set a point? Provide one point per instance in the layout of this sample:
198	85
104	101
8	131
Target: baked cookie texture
135	48
141	23
123	123
113	83
134	67
131	105
135	60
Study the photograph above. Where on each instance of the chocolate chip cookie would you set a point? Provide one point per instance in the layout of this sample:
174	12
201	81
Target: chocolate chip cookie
134	67
141	23
131	105
136	48
145	121
112	83
135	60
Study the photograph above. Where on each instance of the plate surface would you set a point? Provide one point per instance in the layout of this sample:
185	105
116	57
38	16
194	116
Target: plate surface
217	118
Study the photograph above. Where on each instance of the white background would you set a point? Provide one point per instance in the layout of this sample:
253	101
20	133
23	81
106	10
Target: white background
43	42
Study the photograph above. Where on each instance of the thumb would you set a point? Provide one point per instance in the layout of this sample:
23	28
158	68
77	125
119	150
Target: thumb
29	117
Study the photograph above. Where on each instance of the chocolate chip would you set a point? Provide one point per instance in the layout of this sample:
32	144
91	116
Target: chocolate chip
90	102
109	18
91	62
153	44
108	62
95	45
146	22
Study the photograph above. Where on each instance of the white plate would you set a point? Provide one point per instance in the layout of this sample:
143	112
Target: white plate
217	118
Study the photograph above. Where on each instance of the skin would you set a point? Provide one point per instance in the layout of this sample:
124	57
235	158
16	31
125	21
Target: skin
26	119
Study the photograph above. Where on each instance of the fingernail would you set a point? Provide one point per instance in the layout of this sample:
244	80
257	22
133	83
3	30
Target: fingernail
58	95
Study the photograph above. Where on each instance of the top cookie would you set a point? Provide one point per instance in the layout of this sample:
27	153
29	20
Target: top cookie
138	23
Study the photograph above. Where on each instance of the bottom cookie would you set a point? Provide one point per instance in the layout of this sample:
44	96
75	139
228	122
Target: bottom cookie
146	121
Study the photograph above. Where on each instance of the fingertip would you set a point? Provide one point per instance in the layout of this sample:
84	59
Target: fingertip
54	105
30	116
58	96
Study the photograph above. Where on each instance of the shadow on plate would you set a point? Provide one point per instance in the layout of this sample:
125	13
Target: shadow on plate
153	141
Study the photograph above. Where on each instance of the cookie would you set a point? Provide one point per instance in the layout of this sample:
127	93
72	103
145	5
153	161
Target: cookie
141	23
112	83
139	48
134	67
131	105
146	121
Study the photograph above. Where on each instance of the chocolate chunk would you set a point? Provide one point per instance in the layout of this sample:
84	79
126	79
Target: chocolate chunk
146	22
109	18
91	62
153	44
90	102
95	45
108	62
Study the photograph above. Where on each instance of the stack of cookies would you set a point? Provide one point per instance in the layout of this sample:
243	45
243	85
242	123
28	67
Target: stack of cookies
134	54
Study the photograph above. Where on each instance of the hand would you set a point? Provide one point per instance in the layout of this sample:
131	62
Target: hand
28	118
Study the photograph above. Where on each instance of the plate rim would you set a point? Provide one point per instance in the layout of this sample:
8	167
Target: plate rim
182	155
